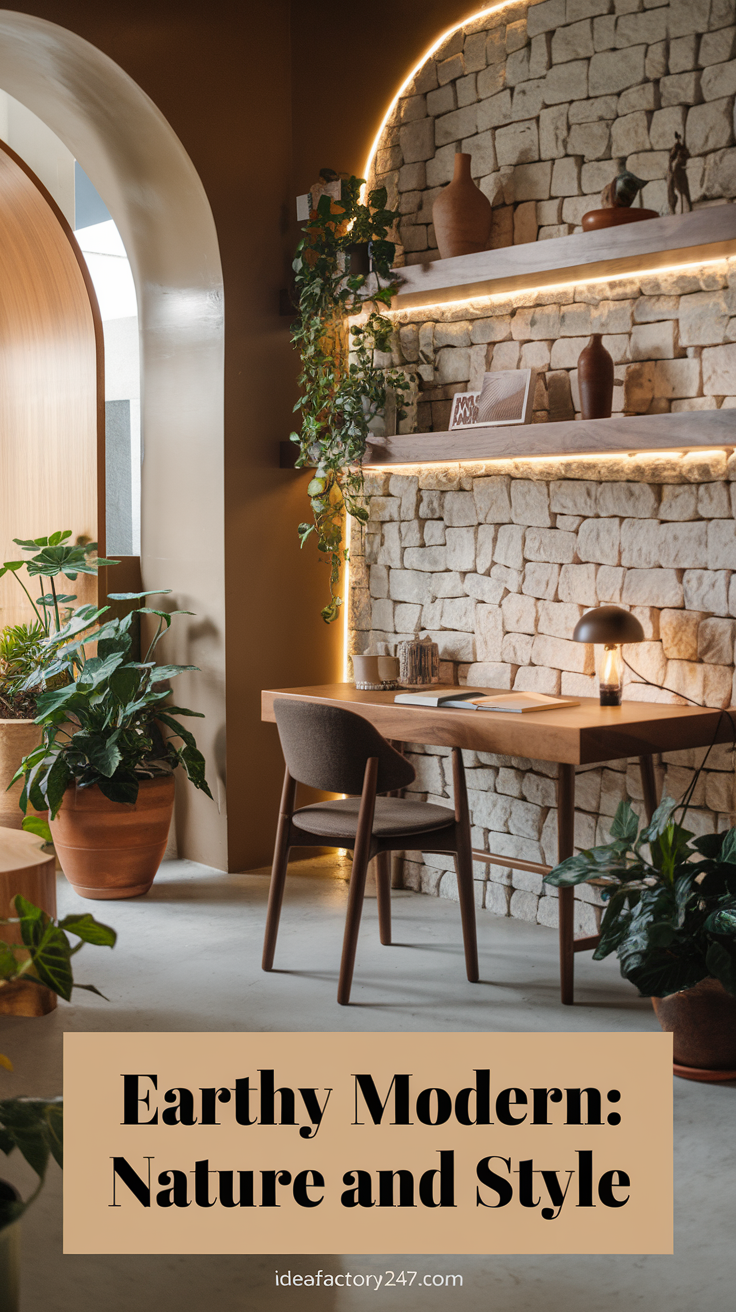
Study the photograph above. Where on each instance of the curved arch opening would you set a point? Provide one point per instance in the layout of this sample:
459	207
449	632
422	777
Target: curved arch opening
150	186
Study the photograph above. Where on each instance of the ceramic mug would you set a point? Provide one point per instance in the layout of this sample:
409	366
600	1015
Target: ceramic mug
388	669
366	672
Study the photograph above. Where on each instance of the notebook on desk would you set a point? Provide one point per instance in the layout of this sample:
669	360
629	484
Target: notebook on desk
475	699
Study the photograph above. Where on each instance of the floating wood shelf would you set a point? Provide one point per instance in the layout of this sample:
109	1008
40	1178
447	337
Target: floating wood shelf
705	234
620	435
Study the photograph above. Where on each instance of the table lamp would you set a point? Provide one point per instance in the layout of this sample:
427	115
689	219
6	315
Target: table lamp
609	627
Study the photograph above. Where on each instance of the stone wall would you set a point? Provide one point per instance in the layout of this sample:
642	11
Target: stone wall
497	562
672	338
547	97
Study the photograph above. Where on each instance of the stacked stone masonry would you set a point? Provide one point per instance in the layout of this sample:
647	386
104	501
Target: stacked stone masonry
496	562
672	337
548	97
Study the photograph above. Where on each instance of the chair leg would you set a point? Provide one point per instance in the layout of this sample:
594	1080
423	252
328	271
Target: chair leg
464	866
383	894
278	871
356	893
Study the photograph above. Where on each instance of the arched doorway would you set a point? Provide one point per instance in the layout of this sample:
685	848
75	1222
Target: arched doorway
149	184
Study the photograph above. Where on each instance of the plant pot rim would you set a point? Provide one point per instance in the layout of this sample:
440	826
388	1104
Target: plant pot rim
94	790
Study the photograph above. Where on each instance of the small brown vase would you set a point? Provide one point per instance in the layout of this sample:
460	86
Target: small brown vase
461	214
595	380
702	1021
113	849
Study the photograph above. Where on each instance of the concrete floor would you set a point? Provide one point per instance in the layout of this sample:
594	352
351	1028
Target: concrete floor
188	958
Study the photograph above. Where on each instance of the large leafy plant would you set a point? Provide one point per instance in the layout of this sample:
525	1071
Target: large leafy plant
21	645
111	722
342	389
670	898
33	1126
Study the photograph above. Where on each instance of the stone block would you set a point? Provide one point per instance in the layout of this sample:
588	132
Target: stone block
453	365
534	678
563	655
447	584
688	16
707	590
687	679
491	675
577	584
719	370
429	559
609	583
676	378
566	177
615	70
589	140
644	97
519	613
573	42
466	91
719	80
553	132
639	387
494	112
550	545
655	65
540	580
566	82
681	89
454	646
417	140
518	143
456	125
460	548
652	587
713	501
590	111
545	17
484	589
679	502
654	341
529	505
716	47
710	126
598	541
539	55
459	509
720	174
517	648
641	543
722	544
716	641
627	500
459	613
630	133
647	660
535	355
488	633
557	619
485	543
525	223
509	548
382	614
449	69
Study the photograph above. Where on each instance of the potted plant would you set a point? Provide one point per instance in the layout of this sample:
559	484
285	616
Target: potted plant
342	388
105	765
670	918
33	1126
22	653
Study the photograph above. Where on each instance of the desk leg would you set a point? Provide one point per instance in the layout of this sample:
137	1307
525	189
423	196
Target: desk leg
649	785
565	847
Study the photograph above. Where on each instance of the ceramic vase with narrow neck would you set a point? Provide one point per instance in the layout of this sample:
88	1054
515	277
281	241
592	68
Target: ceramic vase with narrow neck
595	380
461	214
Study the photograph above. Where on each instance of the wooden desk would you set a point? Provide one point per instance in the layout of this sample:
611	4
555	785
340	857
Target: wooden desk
573	735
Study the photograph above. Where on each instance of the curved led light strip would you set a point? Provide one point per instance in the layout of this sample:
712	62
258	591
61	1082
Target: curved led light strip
482	13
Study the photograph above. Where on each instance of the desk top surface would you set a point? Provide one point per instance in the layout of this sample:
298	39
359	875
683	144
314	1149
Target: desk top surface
578	735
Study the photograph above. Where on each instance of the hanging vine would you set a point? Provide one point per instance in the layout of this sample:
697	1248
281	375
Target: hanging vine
342	389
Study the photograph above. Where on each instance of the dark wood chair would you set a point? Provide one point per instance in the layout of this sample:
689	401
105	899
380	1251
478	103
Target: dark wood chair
337	751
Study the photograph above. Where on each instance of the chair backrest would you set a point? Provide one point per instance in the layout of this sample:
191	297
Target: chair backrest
327	747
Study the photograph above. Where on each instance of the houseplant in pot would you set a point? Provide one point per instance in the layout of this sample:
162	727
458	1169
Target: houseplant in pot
33	1126
111	742
22	654
670	918
343	389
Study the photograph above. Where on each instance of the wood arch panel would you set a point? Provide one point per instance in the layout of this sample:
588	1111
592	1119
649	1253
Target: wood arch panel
52	425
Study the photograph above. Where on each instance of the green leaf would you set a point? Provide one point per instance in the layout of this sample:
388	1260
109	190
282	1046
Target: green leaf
728	848
35	824
123	789
162	672
89	930
124	683
722	965
625	824
135	596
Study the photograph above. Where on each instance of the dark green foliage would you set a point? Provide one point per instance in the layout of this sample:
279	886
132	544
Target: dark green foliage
110	721
34	1125
342	390
671	901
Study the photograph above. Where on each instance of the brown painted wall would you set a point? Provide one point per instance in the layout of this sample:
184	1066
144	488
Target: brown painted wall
222	76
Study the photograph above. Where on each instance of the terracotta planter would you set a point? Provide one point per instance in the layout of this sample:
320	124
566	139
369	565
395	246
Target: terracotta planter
9	1256
17	739
611	218
461	214
595	380
113	849
703	1023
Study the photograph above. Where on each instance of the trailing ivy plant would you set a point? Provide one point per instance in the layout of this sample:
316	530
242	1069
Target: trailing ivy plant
342	389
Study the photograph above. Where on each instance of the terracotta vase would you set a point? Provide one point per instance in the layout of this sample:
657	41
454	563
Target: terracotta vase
461	214
595	380
702	1021
113	849
594	220
9	1255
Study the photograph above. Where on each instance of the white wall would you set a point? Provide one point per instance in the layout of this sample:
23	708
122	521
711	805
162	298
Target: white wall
41	149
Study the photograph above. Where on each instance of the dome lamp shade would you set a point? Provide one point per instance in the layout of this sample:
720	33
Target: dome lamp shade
609	627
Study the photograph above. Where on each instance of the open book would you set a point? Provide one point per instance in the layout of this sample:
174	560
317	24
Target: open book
474	699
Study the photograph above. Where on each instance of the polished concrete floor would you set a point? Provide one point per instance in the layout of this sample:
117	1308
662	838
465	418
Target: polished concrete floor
188	958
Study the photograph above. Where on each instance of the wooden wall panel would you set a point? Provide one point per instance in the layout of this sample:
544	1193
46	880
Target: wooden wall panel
51	381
